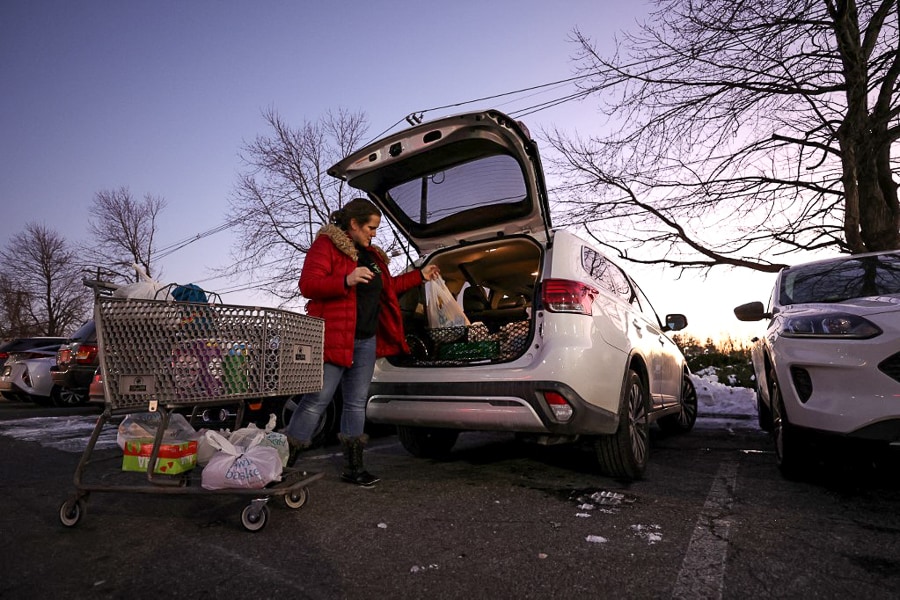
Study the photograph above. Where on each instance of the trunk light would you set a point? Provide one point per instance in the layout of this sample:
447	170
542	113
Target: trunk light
561	409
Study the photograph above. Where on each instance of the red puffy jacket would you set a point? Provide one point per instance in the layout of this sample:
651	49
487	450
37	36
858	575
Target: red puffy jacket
330	259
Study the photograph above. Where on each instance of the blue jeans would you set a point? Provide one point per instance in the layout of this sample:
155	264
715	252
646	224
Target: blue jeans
354	381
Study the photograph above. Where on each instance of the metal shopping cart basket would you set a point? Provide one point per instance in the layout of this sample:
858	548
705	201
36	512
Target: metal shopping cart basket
162	355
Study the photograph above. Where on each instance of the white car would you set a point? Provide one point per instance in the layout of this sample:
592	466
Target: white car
563	346
26	376
829	362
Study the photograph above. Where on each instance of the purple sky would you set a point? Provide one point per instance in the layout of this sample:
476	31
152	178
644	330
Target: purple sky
159	96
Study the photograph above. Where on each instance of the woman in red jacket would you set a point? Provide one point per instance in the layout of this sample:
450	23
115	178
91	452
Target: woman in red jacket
347	283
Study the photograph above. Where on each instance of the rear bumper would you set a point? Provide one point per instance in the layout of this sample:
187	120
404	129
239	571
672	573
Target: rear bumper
73	377
516	406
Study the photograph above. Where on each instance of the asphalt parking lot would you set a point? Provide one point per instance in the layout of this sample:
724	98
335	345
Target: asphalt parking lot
712	518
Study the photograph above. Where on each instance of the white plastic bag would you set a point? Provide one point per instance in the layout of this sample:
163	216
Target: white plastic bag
252	435
233	467
247	437
441	307
143	426
145	289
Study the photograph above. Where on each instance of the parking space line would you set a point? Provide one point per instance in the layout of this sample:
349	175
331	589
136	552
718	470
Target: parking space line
702	573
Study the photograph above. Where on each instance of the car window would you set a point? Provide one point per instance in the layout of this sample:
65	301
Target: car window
839	280
606	273
646	308
491	181
85	332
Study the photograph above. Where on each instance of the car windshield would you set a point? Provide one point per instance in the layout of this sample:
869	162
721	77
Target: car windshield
491	181
842	279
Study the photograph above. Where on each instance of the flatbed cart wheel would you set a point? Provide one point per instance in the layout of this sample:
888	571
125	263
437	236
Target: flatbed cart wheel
253	518
71	512
296	498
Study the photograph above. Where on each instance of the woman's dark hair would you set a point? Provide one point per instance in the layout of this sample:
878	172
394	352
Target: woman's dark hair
358	209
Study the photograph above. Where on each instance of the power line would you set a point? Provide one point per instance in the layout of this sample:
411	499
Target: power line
413	117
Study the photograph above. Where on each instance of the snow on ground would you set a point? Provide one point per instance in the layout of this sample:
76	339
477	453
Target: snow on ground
715	399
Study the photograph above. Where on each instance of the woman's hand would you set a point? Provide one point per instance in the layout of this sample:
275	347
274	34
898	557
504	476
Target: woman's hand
359	275
430	272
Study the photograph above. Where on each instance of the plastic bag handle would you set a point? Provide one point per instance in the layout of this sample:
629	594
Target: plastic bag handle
220	442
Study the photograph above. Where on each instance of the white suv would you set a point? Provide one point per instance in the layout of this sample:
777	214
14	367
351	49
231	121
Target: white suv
563	346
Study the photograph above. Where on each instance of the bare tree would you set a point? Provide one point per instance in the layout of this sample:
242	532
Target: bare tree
124	230
742	131
40	285
285	195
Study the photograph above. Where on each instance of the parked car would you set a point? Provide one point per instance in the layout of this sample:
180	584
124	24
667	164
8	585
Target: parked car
828	366
76	362
26	376
21	344
563	345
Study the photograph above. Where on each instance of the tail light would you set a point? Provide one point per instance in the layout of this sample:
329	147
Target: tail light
63	355
562	295
86	354
562	410
4	356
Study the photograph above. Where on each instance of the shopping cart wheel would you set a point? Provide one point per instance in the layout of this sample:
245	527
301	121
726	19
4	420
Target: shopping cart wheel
71	512
254	518
296	498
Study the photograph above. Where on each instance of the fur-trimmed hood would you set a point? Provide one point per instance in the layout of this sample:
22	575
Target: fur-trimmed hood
343	242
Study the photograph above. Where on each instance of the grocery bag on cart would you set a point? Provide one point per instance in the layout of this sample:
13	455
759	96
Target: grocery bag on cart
251	435
238	467
143	426
145	288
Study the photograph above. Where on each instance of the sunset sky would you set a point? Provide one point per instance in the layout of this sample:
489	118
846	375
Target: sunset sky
160	96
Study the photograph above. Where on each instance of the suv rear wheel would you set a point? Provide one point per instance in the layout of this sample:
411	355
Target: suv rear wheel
427	442
624	454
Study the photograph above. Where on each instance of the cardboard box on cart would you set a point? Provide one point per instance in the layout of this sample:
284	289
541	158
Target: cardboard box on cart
173	458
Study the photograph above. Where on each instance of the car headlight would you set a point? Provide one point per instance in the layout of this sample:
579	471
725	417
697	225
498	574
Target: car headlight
833	325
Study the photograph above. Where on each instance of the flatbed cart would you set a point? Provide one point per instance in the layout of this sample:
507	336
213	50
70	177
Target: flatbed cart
167	356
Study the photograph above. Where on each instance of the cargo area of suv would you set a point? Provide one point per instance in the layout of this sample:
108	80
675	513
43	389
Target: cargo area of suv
495	282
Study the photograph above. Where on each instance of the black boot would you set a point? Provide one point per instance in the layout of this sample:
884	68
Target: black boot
295	447
354	472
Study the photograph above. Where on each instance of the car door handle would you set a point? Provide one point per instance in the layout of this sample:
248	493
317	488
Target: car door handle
636	324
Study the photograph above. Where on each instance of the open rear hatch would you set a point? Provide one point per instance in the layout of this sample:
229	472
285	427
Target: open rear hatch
458	179
469	192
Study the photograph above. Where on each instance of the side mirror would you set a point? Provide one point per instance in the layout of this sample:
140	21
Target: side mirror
752	311
676	322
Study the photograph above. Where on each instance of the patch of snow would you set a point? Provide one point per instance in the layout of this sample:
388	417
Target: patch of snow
420	569
714	398
596	539
651	533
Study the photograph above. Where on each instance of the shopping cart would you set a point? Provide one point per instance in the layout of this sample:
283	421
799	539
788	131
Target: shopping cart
166	356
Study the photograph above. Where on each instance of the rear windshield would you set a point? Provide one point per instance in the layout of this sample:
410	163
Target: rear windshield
841	280
496	181
85	333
